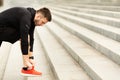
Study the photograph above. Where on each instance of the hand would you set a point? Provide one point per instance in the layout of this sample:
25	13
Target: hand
32	62
31	59
27	62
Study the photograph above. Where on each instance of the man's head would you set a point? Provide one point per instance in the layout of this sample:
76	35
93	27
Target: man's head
42	16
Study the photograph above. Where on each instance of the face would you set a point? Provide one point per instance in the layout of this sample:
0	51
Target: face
39	19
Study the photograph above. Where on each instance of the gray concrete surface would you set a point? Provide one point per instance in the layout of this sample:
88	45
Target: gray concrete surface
62	65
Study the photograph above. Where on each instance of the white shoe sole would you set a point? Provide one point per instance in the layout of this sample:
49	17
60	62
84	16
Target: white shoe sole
29	75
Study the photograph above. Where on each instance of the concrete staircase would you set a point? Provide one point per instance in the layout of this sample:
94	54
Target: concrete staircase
81	43
90	35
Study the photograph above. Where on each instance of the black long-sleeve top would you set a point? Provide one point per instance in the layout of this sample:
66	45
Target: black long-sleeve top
21	19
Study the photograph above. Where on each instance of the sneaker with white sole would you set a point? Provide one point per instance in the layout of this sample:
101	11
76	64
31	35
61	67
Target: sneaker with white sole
31	72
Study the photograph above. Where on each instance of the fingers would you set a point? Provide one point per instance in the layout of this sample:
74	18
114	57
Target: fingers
28	62
32	62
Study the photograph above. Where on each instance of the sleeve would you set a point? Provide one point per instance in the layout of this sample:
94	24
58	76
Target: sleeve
31	40
24	31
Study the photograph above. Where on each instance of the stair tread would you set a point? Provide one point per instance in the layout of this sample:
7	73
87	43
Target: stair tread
87	9
4	54
103	41
60	58
89	15
96	24
98	27
100	7
92	58
14	73
13	67
92	35
41	61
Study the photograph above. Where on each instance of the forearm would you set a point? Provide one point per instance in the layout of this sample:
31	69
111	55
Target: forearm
30	53
31	48
24	47
31	44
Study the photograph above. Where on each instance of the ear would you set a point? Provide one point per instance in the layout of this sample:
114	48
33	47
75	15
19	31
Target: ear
37	15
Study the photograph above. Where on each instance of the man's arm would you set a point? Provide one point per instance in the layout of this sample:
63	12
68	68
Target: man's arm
31	44
31	40
24	31
31	57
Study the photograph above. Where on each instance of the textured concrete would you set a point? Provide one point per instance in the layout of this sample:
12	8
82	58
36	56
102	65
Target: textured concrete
4	54
92	61
14	63
91	11
97	18
96	40
106	30
62	65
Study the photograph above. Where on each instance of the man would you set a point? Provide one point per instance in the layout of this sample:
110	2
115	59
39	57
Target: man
16	24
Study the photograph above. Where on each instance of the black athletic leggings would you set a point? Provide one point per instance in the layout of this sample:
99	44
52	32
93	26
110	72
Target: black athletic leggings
8	34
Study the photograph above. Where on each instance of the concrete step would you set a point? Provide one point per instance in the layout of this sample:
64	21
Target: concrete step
91	11
90	2
62	65
102	19
42	64
109	31
107	46
4	54
14	64
94	63
97	7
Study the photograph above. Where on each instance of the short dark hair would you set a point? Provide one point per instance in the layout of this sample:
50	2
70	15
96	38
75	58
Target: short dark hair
46	13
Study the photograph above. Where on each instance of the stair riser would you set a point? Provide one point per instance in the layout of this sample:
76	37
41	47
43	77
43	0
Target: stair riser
88	70
108	8
48	58
104	21
96	29
90	11
107	52
4	57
